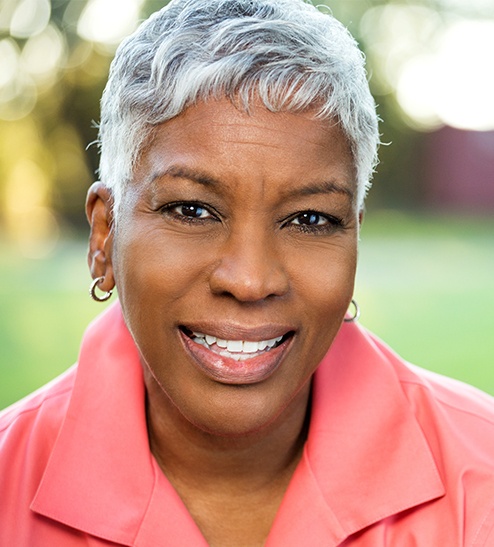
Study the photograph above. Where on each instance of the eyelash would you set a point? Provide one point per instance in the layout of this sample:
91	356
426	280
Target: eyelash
169	209
332	223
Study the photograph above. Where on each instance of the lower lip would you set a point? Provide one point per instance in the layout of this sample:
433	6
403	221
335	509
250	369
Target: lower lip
228	371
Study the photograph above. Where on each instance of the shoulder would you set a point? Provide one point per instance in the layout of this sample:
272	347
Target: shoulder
28	431
430	393
457	422
452	395
24	412
458	408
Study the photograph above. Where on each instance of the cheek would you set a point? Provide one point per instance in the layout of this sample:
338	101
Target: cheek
326	277
158	263
325	297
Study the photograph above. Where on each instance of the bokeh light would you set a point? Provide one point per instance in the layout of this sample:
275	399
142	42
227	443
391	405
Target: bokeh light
455	84
30	221
30	18
108	21
43	54
439	66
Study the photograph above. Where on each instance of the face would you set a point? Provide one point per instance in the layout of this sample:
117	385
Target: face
234	257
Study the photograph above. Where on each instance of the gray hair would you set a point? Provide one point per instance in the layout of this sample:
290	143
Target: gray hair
286	53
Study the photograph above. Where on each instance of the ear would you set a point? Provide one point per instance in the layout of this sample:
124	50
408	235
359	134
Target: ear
99	212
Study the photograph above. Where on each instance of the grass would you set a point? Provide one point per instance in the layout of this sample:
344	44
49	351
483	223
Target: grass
45	307
425	285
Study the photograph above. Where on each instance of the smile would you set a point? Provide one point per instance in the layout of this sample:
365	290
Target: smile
239	350
235	361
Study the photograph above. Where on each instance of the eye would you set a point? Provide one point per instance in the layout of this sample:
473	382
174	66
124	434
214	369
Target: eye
191	210
313	222
310	218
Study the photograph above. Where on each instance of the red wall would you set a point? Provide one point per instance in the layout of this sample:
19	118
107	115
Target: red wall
459	170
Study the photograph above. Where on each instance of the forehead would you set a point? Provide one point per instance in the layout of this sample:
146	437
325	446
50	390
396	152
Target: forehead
217	138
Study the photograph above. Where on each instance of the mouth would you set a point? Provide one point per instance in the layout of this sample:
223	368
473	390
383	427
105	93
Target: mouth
236	361
239	350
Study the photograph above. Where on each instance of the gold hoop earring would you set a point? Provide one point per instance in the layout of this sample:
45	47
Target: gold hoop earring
92	290
356	313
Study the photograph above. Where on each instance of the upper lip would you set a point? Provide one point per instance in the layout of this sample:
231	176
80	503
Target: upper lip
233	331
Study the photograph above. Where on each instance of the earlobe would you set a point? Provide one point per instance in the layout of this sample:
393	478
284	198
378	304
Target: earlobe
99	212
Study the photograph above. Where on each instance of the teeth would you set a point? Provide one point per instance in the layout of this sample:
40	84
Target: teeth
272	342
250	347
237	347
236	356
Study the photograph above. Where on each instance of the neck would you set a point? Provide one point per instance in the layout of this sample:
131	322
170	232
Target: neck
190	455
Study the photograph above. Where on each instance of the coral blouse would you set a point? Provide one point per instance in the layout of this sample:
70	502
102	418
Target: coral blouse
395	456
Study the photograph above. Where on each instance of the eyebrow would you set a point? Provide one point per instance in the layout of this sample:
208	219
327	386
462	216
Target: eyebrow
320	187
180	172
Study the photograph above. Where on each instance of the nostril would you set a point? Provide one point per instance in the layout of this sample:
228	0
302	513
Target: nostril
249	280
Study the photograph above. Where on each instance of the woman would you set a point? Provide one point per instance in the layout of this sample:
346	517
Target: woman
226	400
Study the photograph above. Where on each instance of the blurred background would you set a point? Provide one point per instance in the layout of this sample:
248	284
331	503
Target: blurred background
425	281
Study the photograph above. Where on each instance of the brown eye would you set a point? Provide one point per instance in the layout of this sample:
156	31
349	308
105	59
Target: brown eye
313	222
192	210
310	218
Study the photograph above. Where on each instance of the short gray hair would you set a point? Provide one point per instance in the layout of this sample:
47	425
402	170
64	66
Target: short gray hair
286	53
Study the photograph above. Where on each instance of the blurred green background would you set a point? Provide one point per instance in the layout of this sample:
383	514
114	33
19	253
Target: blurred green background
425	281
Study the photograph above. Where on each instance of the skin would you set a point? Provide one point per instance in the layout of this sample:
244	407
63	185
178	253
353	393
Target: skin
243	227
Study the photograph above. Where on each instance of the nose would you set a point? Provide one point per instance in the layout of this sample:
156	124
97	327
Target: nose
249	268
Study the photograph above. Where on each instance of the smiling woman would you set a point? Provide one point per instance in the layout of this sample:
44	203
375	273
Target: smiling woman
228	398
221	244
